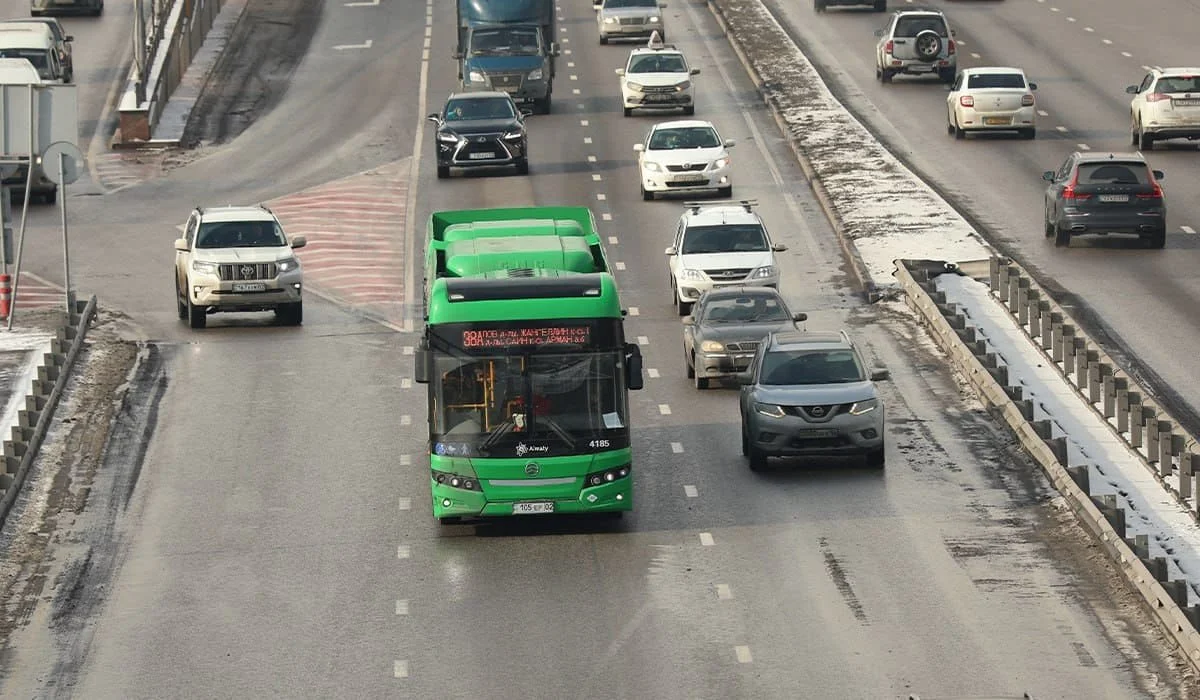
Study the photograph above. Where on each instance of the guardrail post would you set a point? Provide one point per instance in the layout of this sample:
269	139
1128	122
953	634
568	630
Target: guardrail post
1068	350
1135	419
1001	285
1058	446
1121	389
1150	421
1169	445
994	266
1081	364
1107	389
1187	465
1048	323
1041	428
1025	406
1035	314
1014	282
1022	301
1093	376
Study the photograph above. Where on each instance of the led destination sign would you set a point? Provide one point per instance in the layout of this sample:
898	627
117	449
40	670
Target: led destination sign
526	337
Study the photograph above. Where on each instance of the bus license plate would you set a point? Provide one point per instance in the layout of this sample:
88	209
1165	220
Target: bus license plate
249	287
533	508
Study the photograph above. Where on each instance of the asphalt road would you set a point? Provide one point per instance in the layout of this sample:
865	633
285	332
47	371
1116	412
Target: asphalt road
278	541
1082	55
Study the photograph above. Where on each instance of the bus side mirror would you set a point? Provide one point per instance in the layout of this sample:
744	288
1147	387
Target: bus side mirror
633	367
421	361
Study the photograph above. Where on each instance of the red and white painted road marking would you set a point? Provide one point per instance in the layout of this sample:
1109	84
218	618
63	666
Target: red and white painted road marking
355	228
120	169
35	292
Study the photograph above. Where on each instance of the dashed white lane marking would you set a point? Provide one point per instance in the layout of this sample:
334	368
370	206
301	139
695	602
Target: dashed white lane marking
565	40
652	373
400	669
1083	147
664	409
975	55
1107	42
428	31
574	77
1126	54
576	91
587	139
620	266
405	420
1070	19
1062	129
690	491
612	240
706	539
567	52
643	340
405	383
403	551
635	311
1187	229
743	654
570	64
407	350
405	460
600	196
1146	68
1054	9
405	503
584	122
428	42
724	592
606	217
580	105
960	42
596	177
401	607
677	447
1043	113
350	47
1088	29
591	159
368	3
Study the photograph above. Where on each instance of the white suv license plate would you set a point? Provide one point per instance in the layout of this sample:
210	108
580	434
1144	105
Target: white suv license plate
1114	198
482	156
533	508
249	287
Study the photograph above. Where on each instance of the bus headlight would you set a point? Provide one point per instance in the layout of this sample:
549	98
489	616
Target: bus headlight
607	476
458	481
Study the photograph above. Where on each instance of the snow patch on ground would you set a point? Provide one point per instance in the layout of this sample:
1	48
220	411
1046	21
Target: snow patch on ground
886	210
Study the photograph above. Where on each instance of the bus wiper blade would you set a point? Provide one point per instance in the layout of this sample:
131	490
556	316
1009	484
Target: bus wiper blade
559	431
498	432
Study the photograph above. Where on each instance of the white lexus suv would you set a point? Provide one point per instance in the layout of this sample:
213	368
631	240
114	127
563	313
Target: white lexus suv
720	244
684	156
237	259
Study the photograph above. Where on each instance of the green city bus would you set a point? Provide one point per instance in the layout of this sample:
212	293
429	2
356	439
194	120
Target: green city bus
526	364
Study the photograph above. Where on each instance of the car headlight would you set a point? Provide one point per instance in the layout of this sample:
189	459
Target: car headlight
610	20
513	135
691	274
288	264
204	268
447	137
635	87
683	86
651	166
720	163
768	409
762	272
652	20
861	407
535	74
712	346
476	77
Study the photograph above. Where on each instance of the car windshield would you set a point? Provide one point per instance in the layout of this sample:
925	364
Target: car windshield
996	80
807	367
1113	173
39	58
726	238
908	27
509	42
684	137
609	4
745	309
1178	83
240	234
657	63
468	108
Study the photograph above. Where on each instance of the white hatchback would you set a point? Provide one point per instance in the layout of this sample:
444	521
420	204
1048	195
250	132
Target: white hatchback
1166	105
991	99
684	156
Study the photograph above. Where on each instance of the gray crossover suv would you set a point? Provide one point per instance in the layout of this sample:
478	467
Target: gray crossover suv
1105	193
810	394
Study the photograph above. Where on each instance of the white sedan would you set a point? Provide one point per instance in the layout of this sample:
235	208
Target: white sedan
684	156
991	99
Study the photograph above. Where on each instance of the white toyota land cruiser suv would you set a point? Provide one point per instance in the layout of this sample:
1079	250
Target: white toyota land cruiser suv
237	259
916	42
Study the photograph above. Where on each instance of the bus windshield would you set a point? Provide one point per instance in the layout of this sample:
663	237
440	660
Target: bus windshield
529	405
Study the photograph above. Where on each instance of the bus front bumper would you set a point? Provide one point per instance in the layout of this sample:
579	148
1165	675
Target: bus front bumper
450	502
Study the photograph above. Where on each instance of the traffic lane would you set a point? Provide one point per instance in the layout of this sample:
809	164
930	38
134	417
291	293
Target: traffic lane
997	179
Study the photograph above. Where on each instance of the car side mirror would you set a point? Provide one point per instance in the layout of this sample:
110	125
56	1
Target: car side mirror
456	54
1048	175
421	362
672	251
694	71
729	143
688	320
879	374
800	317
633	367
744	378
1132	89
299	242
1033	86
639	147
1158	175
181	244
434	118
778	247
620	71
878	32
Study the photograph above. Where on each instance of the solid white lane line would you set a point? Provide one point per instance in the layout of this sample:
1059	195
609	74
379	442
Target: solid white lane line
643	340
724	592
403	551
1187	229
652	373
706	539
677	447
664	409
349	47
612	240
690	491
368	3
620	266
406	460
401	607
405	503
743	654
400	669
635	311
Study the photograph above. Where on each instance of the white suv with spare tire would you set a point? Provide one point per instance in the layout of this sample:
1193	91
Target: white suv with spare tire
237	259
916	42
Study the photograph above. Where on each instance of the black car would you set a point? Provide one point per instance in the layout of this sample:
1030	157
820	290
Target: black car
1104	193
726	326
480	129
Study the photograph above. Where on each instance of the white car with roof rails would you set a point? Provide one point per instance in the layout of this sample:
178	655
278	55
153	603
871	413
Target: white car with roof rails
657	76
1165	105
684	156
720	244
237	259
991	99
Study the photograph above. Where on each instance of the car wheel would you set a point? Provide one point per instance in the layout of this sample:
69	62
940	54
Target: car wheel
647	195
1158	239
687	364
876	458
745	443
544	105
1062	237
1133	134
685	308
725	191
818	6
1048	226
947	75
523	166
959	132
450	520
603	39
885	75
701	382
290	314
756	458
628	111
1145	141
443	172
1029	134
881	5
180	302
50	197
949	126
196	315
689	110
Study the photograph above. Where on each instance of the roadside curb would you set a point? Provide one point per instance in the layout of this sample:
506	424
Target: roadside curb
34	420
849	249
1167	599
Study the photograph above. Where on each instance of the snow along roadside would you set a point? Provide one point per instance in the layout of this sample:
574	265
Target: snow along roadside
881	208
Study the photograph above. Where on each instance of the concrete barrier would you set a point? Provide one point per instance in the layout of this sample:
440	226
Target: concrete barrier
34	420
1101	515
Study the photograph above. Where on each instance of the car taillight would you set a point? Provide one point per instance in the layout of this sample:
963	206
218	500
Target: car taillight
1026	100
1156	194
1069	191
950	48
1157	97
966	101
887	48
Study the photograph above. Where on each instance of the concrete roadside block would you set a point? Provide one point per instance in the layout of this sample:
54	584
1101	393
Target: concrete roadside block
1135	420
34	420
1177	622
1150	425
1108	390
